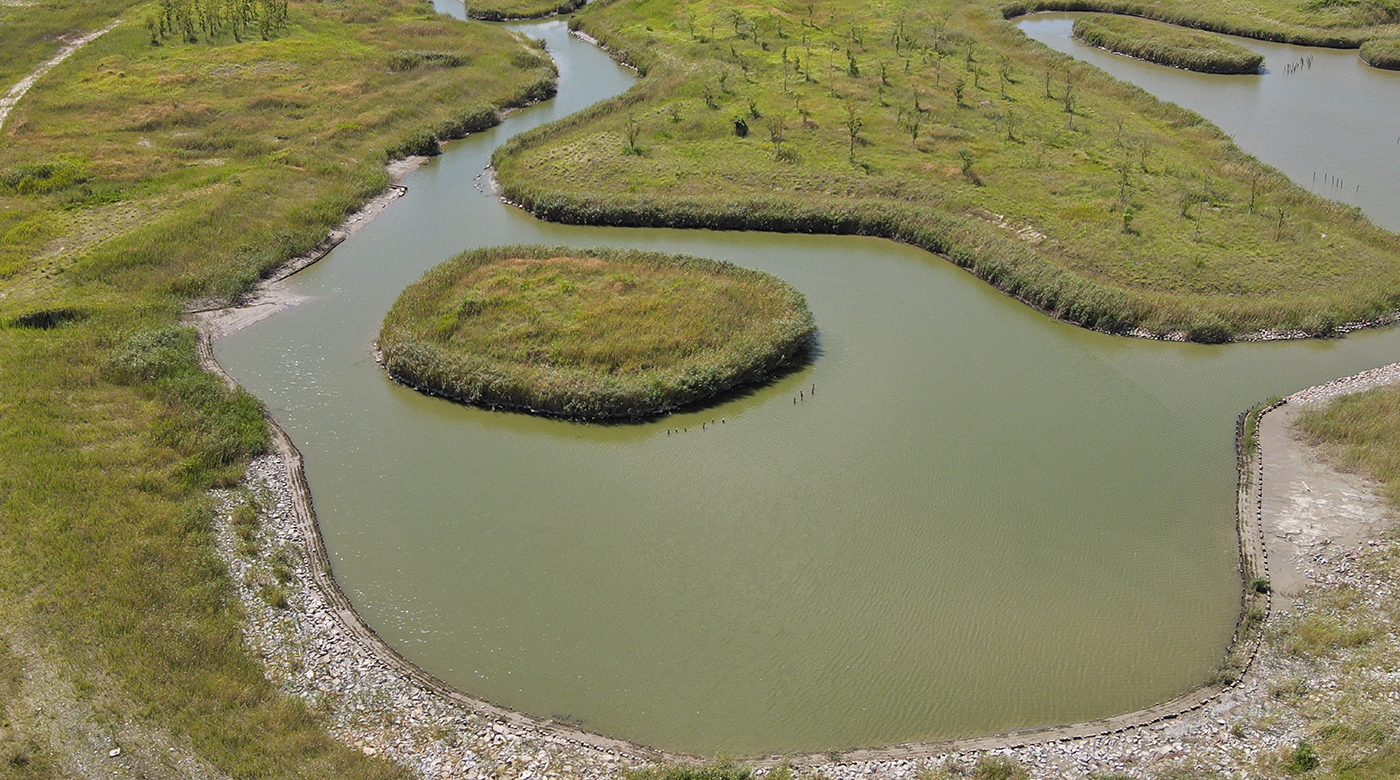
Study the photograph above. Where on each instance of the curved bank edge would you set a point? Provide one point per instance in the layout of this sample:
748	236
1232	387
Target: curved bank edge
1243	648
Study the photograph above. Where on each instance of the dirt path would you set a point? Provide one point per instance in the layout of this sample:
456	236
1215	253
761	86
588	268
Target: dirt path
7	103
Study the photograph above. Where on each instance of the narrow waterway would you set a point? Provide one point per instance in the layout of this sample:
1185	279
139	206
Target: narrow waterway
980	519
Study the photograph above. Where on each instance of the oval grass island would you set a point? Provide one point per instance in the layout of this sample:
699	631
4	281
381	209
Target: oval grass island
1166	44
593	334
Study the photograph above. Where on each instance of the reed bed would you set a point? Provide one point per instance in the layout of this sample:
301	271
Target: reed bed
594	334
1166	44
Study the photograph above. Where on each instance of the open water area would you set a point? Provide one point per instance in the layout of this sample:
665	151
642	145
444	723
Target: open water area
962	517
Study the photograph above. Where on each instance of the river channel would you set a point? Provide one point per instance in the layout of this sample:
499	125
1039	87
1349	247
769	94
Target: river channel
979	519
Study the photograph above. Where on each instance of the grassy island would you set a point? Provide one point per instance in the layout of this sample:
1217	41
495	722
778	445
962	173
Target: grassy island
502	10
1167	44
591	334
941	125
1382	53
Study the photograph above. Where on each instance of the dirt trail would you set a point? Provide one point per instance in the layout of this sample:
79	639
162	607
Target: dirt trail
7	103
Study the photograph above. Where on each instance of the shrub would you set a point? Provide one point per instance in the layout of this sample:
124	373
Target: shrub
1303	759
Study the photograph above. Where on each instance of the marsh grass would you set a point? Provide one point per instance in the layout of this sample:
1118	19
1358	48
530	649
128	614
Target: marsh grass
1382	53
132	179
1167	44
591	334
1342	24
714	770
170	144
1061	153
500	10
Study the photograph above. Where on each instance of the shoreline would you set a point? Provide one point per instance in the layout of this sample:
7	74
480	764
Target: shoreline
487	734
322	650
331	613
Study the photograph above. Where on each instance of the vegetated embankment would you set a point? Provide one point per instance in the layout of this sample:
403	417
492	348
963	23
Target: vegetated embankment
1382	53
506	10
945	128
1327	24
1165	44
136	177
592	334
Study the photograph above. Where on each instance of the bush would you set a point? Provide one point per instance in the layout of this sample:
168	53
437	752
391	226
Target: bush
1303	759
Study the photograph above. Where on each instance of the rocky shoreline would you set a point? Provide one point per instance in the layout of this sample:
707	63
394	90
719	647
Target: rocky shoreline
372	704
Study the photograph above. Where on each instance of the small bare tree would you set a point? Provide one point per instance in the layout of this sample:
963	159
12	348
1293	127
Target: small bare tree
853	127
634	134
912	123
777	132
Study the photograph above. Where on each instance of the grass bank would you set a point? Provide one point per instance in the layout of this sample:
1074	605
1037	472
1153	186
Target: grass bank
1382	53
941	125
501	10
134	178
591	334
1167	44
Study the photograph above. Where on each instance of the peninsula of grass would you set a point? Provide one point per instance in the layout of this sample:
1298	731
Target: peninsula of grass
1382	53
940	124
134	178
592	334
1167	44
503	10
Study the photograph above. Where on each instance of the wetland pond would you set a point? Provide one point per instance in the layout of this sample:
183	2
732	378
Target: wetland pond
982	519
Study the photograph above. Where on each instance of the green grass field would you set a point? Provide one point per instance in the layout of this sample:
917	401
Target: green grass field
1167	44
134	178
591	334
943	126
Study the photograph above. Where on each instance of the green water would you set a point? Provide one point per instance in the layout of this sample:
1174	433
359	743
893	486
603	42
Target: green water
982	519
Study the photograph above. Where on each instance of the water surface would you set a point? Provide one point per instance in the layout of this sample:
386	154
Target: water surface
980	519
